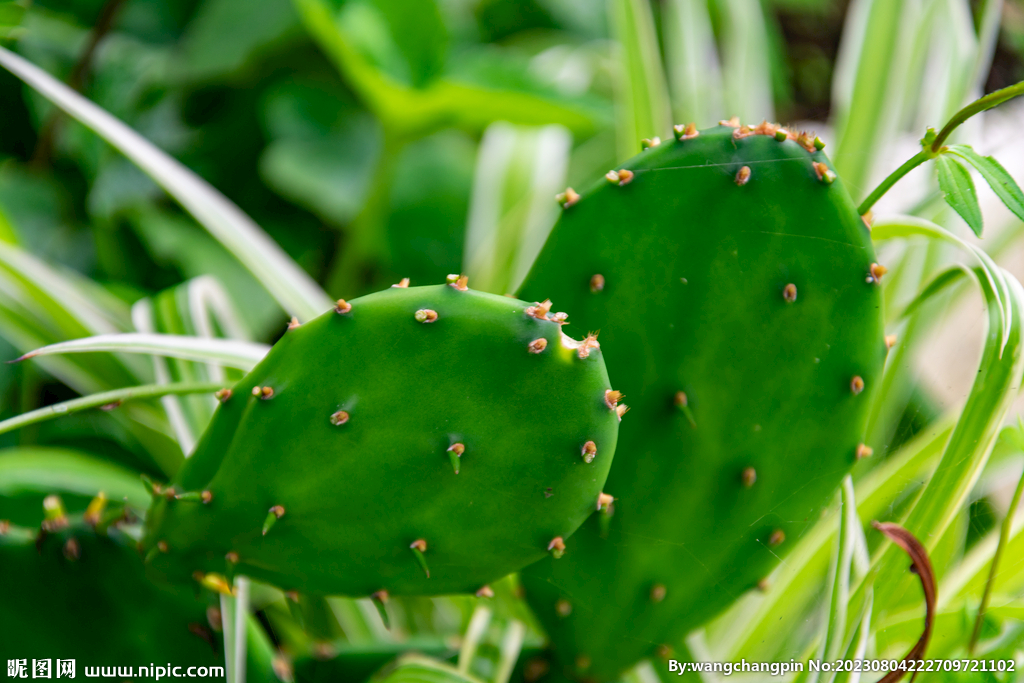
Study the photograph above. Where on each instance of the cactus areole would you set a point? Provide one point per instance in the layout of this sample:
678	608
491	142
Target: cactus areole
740	317
379	449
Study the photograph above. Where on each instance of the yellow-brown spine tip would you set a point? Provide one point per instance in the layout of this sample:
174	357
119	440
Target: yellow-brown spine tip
589	452
743	176
857	384
597	283
864	451
425	315
339	418
777	538
556	547
538	345
789	293
749	476
342	306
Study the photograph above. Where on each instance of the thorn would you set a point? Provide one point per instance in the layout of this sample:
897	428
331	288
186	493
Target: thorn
560	318
657	592
276	512
766	129
223	395
5	526
890	341
537	345
597	283
214	582
864	451
402	284
556	547
461	282
293	323
743	176
648	143
380	599
419	546
113	405
154	488
763	585
55	517
857	384
612	177
818	143
825	174
781	135
563	608
425	315
612	398
231	557
539	311
683	404
743	132
342	307
604	500
567	198
687	132
749	476
620	178
663	651
868	219
806	140
266	393
485	592
292	595
877	271
734	122
621	410
589	452
339	418
72	551
582	662
777	538
162	546
589	342
455	452
95	509
789	292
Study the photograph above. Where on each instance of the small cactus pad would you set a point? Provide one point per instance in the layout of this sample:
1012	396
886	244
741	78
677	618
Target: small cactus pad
737	321
341	480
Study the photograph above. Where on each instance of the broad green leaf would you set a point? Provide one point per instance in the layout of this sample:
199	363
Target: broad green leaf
641	94
409	112
1005	187
293	288
45	470
691	57
958	187
228	352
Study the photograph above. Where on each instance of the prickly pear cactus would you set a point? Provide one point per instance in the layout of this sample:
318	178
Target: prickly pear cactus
736	293
420	440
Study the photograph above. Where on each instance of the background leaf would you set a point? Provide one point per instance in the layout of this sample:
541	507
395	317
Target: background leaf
958	187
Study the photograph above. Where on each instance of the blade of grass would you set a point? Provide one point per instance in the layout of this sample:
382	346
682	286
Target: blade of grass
111	398
641	94
746	63
692	59
293	288
229	352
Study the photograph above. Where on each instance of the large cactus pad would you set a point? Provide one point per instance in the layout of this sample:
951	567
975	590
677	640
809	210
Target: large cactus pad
416	441
736	294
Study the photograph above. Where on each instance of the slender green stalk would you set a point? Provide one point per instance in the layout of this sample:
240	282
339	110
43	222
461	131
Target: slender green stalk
115	397
934	147
987	102
894	177
1004	537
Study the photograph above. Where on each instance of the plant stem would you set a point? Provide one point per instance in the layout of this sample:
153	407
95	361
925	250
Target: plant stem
893	178
987	102
1004	537
934	149
114	398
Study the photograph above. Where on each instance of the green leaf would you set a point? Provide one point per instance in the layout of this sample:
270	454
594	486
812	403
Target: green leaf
1005	187
958	187
228	352
293	288
44	470
115	398
641	94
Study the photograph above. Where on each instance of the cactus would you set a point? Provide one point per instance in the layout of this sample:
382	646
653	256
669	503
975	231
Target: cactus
420	440
89	586
735	289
